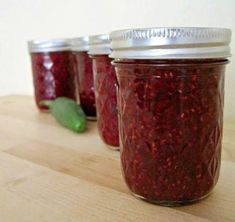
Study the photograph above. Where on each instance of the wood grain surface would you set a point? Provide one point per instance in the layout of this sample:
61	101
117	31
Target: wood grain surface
50	174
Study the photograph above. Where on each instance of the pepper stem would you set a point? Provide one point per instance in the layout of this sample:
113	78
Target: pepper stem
47	103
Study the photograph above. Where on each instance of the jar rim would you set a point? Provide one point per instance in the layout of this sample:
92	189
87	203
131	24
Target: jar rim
171	43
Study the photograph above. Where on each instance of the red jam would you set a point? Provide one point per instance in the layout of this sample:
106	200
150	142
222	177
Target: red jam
85	83
171	123
53	76
106	99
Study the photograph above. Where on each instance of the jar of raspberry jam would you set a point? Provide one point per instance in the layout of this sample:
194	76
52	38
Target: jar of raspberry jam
105	90
84	76
170	104
52	68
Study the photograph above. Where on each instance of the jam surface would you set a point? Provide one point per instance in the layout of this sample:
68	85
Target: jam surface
53	76
171	120
106	99
85	83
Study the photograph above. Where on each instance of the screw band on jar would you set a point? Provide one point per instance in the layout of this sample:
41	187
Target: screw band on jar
80	43
170	111
100	44
52	68
105	90
48	45
171	43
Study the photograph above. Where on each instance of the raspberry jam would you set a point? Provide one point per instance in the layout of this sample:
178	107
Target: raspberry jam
53	75
171	124
106	99
85	83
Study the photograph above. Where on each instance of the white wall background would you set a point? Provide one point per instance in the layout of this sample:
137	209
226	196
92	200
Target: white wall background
22	20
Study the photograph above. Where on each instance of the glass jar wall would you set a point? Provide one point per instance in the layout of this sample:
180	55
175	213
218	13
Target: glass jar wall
171	116
105	90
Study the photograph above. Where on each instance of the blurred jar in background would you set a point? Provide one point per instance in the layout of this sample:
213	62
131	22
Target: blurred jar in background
84	76
52	68
105	90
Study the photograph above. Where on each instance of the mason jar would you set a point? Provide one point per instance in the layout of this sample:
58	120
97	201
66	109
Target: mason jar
84	76
52	68
105	90
170	104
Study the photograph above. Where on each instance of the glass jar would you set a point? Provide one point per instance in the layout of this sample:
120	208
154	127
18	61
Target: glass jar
170	102
105	90
84	76
52	68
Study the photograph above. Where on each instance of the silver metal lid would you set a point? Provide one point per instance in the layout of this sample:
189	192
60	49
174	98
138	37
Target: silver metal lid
48	45
171	43
100	44
80	43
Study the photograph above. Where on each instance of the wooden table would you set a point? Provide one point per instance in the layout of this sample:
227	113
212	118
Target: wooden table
48	173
